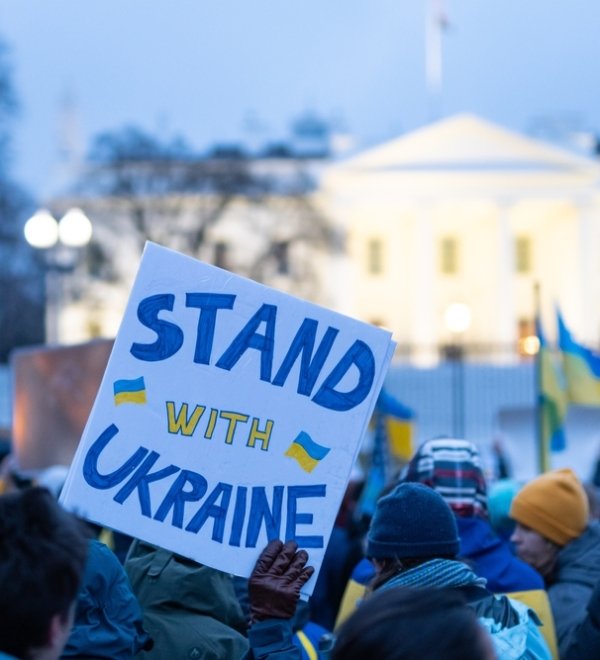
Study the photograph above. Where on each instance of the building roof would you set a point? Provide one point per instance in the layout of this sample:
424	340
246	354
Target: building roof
467	148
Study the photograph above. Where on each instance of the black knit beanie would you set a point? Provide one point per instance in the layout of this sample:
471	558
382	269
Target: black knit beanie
412	521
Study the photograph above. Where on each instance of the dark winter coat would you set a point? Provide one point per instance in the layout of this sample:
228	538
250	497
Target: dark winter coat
577	573
585	642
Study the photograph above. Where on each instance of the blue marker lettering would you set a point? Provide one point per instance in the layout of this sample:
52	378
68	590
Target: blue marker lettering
359	355
169	336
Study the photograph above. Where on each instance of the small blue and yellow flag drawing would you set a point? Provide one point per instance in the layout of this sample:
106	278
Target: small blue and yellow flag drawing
306	451
130	391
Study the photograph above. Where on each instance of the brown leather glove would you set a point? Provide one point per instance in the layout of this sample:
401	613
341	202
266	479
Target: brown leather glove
275	583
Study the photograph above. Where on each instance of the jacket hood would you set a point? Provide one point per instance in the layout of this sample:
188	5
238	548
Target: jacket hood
476	536
162	580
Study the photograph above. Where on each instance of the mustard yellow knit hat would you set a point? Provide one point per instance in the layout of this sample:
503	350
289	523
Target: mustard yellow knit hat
554	505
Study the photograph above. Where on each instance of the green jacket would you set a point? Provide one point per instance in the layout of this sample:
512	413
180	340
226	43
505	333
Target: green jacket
190	610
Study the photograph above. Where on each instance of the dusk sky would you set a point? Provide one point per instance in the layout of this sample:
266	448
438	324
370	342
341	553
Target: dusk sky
200	68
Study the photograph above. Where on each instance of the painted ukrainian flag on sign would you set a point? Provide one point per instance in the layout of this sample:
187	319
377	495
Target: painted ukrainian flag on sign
307	452
130	391
581	366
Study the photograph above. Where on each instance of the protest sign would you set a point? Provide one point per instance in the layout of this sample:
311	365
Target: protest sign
229	414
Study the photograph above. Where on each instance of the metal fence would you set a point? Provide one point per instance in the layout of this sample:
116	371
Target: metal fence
466	393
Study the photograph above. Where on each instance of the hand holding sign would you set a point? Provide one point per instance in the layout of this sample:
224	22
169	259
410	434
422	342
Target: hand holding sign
276	581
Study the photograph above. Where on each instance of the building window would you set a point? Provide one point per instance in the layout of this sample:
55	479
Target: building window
523	255
375	256
449	255
220	255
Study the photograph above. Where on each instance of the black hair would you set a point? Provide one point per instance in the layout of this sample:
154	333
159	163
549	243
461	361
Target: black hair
412	624
42	557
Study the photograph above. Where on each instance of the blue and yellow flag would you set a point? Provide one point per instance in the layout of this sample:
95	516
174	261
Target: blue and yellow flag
393	436
552	398
307	452
581	366
130	391
396	421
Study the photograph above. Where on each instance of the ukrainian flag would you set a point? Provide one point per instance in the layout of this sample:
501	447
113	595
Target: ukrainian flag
393	434
552	398
582	368
398	423
307	452
129	391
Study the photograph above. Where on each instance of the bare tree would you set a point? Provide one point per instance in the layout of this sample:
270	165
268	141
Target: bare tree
21	279
163	192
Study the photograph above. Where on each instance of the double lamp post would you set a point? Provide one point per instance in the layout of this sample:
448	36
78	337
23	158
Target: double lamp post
59	243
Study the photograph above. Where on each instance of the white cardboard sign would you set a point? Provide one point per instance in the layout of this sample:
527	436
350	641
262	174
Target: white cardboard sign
229	414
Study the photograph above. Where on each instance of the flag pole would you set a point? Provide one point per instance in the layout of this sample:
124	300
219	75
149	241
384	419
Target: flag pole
434	25
541	439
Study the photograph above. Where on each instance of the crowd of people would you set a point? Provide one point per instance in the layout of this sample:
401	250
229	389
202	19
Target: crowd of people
448	566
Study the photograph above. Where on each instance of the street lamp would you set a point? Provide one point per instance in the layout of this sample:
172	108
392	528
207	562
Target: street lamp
458	318
60	242
458	321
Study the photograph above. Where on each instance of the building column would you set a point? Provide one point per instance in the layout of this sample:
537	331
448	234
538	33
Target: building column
506	325
339	272
588	284
424	336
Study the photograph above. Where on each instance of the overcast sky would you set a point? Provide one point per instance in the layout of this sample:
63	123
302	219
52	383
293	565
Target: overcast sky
200	68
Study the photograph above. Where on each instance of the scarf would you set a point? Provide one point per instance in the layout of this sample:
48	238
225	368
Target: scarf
436	573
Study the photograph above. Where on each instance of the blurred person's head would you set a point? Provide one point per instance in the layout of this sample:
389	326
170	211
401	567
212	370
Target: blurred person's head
11	477
411	525
500	496
413	624
452	467
42	556
550	511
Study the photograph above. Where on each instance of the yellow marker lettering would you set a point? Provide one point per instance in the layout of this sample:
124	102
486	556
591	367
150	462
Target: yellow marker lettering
212	420
179	423
233	418
256	434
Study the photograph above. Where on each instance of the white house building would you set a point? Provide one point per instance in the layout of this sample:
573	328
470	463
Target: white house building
464	217
445	232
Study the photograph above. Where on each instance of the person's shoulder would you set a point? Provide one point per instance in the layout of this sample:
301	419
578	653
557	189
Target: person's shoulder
579	560
102	566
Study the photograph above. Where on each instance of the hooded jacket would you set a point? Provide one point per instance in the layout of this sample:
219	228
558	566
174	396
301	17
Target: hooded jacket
576	574
190	610
492	558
